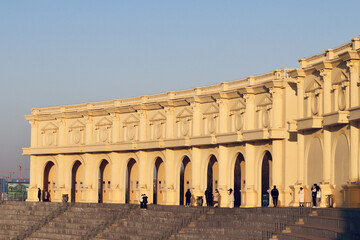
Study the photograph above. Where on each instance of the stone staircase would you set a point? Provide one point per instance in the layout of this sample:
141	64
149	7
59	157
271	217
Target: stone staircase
26	220
81	221
158	222
254	223
19	219
321	224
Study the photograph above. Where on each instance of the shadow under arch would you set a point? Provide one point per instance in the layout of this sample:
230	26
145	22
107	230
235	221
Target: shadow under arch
239	178
104	181
158	181
266	178
132	181
77	178
212	178
185	178
49	180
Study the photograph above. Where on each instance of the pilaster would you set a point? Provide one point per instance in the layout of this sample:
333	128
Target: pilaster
89	130
197	118
223	114
224	183
196	175
143	124
250	109
170	120
249	194
172	191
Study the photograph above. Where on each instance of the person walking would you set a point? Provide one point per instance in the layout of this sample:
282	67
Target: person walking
188	198
275	195
231	198
313	194
301	197
216	198
318	196
39	194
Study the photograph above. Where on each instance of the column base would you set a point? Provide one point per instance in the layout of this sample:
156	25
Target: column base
352	195
294	191
326	189
32	195
249	198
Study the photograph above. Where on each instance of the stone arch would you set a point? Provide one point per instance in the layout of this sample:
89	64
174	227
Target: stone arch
77	181
239	177
104	181
314	164
49	180
212	176
185	181
341	168
132	181
158	181
266	178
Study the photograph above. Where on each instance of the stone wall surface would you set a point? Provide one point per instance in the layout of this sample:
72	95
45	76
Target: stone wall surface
290	128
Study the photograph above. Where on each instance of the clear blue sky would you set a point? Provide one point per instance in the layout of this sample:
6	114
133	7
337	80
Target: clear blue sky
66	52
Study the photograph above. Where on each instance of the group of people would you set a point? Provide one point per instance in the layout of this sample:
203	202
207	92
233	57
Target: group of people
212	200
143	201
315	194
43	195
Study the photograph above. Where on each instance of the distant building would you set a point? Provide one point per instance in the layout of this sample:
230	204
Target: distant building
290	128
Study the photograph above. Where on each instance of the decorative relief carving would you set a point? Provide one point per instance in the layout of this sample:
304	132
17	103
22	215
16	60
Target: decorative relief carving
342	99
157	123
103	130
210	118
131	125
184	121
237	112
315	103
50	134
77	132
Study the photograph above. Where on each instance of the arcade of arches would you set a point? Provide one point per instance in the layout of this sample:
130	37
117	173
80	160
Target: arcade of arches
290	128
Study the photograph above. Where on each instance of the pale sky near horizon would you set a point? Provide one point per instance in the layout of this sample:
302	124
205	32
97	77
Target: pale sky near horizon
67	52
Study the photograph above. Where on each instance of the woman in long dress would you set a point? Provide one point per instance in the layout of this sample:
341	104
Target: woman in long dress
231	198
301	197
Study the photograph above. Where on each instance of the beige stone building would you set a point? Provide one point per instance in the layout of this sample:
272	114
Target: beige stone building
290	128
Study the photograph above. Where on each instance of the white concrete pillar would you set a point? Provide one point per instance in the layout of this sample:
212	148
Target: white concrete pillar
172	191
278	108
250	109
223	115
300	134
354	152
224	178
197	118
327	156
197	173
89	130
278	168
34	133
250	194
115	127
353	66
170	121
143	125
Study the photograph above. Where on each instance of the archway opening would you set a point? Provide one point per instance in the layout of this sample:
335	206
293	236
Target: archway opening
341	170
77	176
159	181
104	181
185	178
132	181
49	180
266	170
212	176
314	166
239	179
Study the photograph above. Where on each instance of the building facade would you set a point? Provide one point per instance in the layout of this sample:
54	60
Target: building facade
290	128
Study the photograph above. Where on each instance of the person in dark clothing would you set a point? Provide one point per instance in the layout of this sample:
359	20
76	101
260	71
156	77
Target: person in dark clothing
188	198
313	194
275	195
207	197
39	194
145	201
